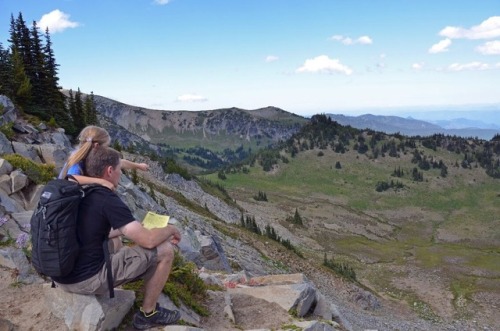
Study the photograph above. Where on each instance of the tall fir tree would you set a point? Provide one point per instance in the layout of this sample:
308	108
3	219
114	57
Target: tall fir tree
21	83
38	71
90	110
6	72
79	115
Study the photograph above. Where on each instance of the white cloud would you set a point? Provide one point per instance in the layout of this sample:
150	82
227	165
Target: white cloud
363	40
489	48
488	29
56	21
323	64
162	2
469	66
191	98
417	66
440	47
271	58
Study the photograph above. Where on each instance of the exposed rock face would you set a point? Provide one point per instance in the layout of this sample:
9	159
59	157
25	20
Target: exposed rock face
155	126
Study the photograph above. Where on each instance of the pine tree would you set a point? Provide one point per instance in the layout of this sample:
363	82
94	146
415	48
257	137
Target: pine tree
53	94
24	47
38	75
6	72
90	110
21	83
297	219
71	104
79	116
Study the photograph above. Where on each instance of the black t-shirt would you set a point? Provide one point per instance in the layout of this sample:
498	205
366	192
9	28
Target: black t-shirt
100	211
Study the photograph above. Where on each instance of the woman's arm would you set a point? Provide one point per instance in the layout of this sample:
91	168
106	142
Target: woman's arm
126	164
85	180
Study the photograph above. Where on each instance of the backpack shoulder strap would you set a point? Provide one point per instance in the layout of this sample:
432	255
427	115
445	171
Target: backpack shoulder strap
88	189
107	257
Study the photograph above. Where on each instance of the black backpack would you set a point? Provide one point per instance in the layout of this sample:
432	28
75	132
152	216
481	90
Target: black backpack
54	239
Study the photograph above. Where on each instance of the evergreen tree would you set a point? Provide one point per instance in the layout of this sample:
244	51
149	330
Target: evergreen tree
6	71
79	116
24	47
21	83
38	71
52	93
90	110
71	105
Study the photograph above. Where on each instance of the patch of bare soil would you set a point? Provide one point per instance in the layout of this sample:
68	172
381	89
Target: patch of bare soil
24	307
249	313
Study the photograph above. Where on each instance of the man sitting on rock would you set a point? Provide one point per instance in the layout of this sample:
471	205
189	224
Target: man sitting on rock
150	259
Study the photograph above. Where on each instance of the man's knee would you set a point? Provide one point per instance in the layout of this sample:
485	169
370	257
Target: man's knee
166	252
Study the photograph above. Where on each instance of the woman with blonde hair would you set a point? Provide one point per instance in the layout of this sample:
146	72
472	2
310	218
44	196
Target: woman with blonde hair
92	137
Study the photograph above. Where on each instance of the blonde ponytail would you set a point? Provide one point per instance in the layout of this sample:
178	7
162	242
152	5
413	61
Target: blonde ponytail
91	136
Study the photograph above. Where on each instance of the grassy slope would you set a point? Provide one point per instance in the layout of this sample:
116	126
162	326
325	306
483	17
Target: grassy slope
446	224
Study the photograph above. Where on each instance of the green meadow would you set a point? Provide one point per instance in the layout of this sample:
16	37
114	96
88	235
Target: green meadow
449	226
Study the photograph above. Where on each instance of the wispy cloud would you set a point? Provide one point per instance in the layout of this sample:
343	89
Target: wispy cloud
323	64
271	58
490	28
489	48
56	21
162	2
363	40
472	66
191	98
417	66
440	47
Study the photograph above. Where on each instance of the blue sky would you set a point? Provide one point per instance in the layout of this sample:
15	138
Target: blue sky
304	56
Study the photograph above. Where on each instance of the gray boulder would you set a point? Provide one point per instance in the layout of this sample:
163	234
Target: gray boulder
15	259
5	167
88	312
53	154
9	112
26	150
5	145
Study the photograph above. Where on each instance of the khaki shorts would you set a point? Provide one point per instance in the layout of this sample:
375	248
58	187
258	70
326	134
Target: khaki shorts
128	264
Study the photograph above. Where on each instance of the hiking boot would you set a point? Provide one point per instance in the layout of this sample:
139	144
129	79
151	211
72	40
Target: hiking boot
160	316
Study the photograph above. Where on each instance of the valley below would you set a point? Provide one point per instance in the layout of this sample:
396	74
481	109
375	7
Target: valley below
435	262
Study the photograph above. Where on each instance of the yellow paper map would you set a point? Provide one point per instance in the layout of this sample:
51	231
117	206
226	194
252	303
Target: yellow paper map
153	220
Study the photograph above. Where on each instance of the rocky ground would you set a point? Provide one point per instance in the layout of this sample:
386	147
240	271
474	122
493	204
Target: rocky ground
22	308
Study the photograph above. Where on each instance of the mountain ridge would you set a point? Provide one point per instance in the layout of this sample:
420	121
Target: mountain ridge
413	127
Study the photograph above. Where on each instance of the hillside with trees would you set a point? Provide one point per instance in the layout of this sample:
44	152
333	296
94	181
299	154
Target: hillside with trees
28	76
414	219
323	133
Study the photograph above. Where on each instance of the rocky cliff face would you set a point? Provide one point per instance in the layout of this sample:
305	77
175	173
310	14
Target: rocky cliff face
266	124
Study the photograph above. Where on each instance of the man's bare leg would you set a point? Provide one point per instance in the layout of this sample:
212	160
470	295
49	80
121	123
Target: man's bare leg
155	284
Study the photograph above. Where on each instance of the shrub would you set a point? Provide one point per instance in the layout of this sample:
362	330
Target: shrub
185	285
6	129
341	268
38	173
261	196
296	218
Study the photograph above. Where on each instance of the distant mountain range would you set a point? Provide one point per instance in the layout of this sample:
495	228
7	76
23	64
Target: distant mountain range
212	138
412	127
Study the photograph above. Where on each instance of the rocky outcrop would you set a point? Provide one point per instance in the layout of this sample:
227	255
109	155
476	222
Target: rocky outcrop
88	312
267	124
